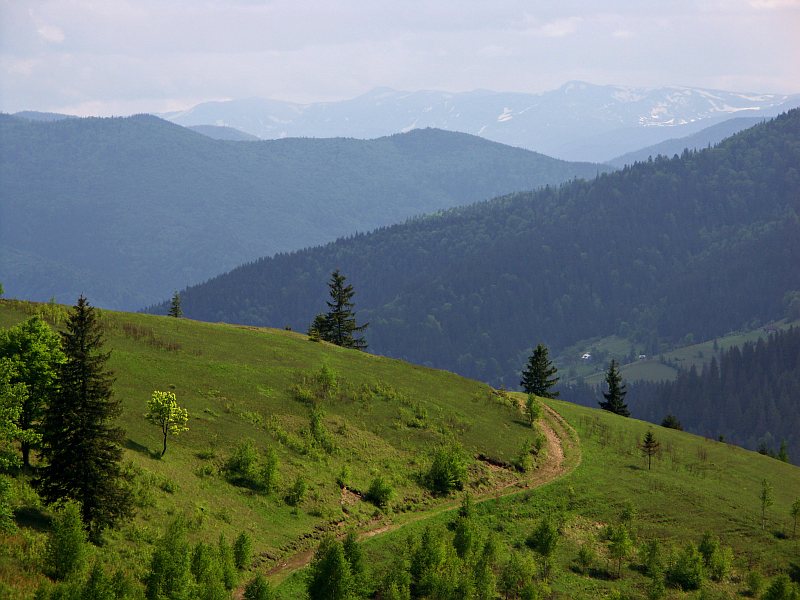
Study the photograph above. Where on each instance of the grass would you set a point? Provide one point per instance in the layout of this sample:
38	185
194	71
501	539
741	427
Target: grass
241	382
695	485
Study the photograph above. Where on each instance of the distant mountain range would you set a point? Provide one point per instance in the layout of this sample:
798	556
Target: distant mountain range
666	250
126	210
578	121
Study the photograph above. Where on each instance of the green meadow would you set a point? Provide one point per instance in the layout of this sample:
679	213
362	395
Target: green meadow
384	417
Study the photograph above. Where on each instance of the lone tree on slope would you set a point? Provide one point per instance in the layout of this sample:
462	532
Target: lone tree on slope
80	444
175	306
649	447
163	410
338	325
616	392
537	378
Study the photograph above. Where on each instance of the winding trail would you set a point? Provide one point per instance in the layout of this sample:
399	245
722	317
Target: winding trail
563	456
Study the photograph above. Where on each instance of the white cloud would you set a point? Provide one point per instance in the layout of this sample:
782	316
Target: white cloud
51	34
622	34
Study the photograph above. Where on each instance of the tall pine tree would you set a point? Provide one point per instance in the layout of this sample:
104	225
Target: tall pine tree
80	444
537	378
615	395
339	326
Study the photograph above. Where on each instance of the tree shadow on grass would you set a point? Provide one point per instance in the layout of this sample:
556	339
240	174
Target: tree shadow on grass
142	449
32	518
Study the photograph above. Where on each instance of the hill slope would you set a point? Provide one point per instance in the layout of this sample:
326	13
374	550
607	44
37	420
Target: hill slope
240	383
127	210
578	121
697	245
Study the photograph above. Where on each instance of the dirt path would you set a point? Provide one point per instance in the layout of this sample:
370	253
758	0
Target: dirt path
560	436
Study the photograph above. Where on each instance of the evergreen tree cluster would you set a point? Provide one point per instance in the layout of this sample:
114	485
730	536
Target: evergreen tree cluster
702	243
64	407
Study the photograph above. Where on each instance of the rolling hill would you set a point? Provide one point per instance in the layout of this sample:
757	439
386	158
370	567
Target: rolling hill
383	418
126	210
659	253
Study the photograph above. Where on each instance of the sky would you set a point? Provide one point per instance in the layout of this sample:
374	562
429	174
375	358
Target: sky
118	57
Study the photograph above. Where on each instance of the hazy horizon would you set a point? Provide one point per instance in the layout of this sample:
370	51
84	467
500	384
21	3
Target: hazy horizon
118	57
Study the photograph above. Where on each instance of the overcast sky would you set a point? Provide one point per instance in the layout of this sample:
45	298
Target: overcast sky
118	57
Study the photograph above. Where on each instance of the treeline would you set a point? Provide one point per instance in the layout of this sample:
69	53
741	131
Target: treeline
699	244
747	396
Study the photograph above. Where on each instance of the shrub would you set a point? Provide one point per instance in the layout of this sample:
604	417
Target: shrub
523	462
297	492
67	547
242	464
586	557
242	551
755	583
720	563
268	476
258	589
448	470
781	588
380	492
687	571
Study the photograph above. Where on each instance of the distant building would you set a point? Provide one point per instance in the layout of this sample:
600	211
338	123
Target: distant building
643	357
586	356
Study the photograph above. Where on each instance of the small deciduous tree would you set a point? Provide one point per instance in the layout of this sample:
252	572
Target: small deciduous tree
163	411
620	546
533	409
615	396
649	447
175	306
170	567
544	540
34	350
672	422
537	377
766	498
330	577
794	511
12	398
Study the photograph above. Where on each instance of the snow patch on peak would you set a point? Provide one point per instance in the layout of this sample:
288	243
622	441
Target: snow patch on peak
506	115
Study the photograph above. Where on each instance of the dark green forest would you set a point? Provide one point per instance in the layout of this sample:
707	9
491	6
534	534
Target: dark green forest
126	210
696	245
746	395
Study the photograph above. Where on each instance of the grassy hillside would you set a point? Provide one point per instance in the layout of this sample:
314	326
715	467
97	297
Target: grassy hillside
695	486
241	383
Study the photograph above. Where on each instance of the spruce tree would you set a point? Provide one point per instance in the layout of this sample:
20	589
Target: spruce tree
175	306
339	325
649	447
80	444
616	392
537	378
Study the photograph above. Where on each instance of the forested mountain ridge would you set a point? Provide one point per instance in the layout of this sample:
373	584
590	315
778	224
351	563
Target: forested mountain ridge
126	210
746	395
698	244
